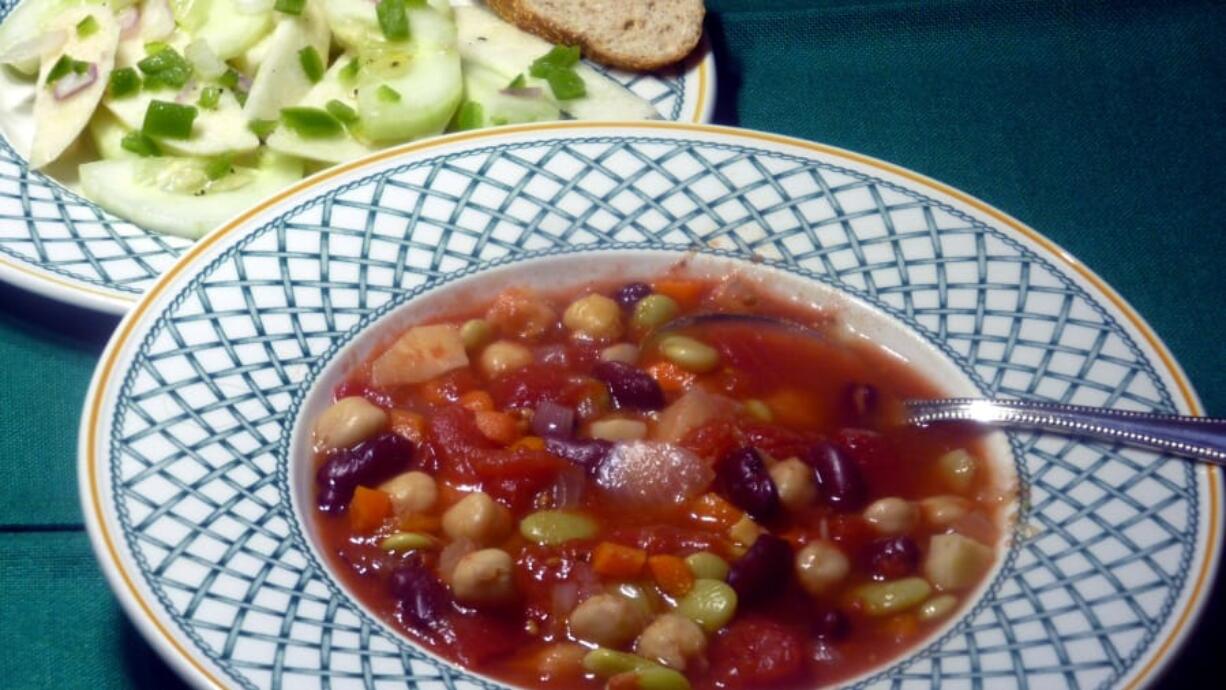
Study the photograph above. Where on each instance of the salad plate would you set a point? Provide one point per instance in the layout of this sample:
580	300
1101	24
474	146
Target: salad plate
187	465
56	242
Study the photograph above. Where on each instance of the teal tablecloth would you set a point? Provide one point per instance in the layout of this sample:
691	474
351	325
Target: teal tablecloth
1102	125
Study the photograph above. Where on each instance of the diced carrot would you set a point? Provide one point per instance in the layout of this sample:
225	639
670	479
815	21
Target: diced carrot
499	427
796	408
409	425
902	626
477	401
672	378
416	522
714	511
686	293
529	443
615	560
368	509
671	574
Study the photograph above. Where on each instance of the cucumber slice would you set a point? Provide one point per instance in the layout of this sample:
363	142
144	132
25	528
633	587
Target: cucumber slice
335	150
214	132
430	87
230	32
356	26
173	195
280	81
486	40
107	134
57	123
501	107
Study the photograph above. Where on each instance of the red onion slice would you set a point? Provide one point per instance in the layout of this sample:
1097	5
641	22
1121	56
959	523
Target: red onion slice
553	420
72	83
129	21
523	91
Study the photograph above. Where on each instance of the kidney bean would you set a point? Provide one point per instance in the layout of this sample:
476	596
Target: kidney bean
588	453
552	419
743	479
630	293
892	558
763	570
838	479
424	600
630	386
368	462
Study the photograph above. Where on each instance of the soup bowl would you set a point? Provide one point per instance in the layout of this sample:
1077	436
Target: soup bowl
195	450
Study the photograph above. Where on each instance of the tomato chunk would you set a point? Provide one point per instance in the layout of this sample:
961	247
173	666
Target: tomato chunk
758	652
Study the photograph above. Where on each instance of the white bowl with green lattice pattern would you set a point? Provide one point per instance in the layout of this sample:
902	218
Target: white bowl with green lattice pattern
187	451
58	243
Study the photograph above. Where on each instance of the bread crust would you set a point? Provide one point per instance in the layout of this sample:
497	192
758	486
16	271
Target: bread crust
557	30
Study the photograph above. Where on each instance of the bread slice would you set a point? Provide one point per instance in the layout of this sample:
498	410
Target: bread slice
630	34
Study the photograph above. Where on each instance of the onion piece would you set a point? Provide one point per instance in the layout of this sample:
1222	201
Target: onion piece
35	49
253	6
567	490
652	476
204	60
159	21
129	21
523	91
553	420
72	83
187	92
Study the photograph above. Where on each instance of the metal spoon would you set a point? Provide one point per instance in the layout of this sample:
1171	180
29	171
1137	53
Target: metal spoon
1203	438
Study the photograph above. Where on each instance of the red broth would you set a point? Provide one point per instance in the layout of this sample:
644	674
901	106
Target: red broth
768	451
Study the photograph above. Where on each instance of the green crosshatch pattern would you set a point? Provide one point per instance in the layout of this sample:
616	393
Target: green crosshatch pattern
51	228
199	435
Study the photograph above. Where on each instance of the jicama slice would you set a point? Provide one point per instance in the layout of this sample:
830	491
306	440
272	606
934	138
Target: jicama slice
62	109
230	32
486	40
281	82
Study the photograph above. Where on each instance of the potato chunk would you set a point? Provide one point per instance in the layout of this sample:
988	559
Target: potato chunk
419	355
690	411
955	562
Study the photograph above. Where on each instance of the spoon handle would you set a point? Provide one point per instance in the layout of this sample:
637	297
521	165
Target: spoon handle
1197	437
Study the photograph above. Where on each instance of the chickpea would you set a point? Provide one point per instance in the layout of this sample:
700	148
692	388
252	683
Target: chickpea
608	620
672	640
484	577
411	492
477	517
348	422
595	317
794	482
621	352
892	515
943	511
503	357
820	565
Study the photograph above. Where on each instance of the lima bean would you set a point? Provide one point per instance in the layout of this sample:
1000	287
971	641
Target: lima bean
710	603
551	527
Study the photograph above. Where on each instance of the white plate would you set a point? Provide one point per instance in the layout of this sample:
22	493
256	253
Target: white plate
57	243
185	437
